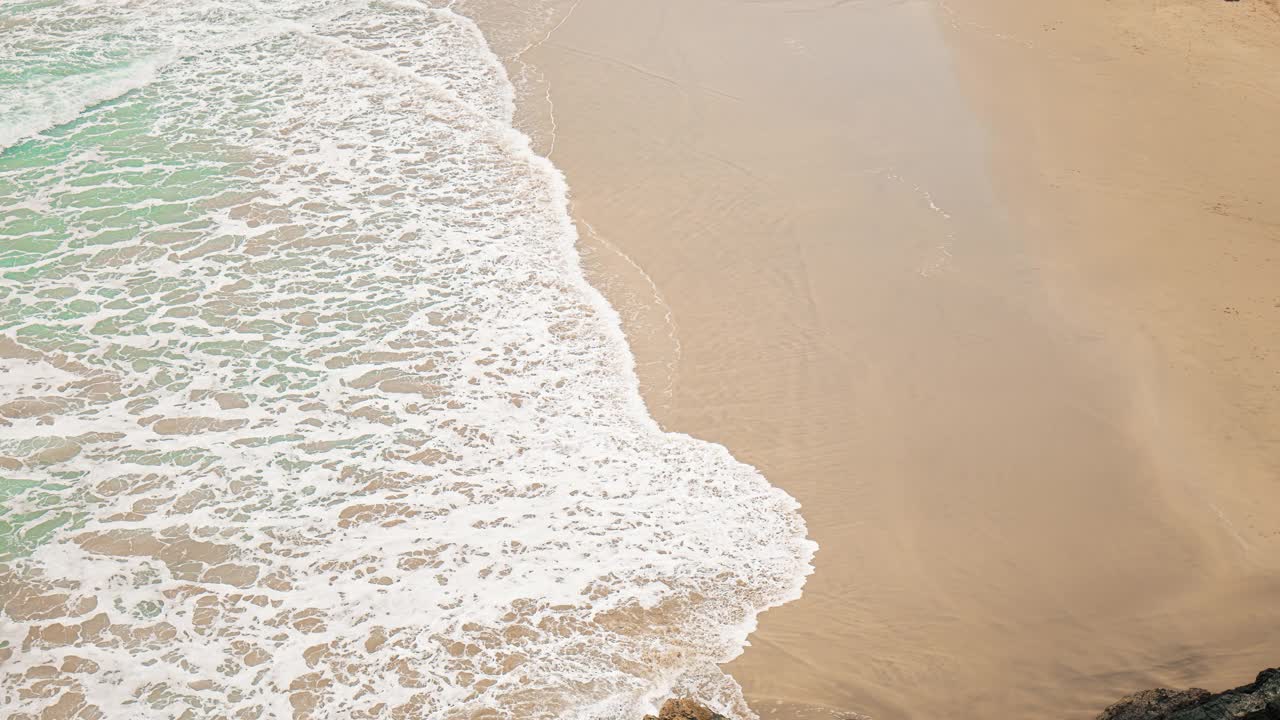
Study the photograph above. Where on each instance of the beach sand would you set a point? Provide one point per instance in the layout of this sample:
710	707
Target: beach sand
992	287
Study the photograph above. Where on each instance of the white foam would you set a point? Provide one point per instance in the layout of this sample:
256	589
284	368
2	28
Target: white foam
62	101
434	462
24	378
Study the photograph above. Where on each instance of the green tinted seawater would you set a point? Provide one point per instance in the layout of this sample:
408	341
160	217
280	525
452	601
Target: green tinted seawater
111	188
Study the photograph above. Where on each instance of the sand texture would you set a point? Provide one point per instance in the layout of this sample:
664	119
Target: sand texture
993	288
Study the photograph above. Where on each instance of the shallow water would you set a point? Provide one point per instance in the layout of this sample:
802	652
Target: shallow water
306	407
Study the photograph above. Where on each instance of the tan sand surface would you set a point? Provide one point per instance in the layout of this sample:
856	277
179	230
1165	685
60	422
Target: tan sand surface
991	286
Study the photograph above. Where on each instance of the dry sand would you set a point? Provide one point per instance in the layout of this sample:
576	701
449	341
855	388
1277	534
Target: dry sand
992	287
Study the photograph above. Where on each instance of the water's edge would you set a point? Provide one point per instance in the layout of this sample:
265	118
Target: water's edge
190	475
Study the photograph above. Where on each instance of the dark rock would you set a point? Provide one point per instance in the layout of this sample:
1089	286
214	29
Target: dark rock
685	710
1259	700
1156	704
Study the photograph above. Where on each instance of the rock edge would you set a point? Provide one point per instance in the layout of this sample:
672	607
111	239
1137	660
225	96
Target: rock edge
1259	700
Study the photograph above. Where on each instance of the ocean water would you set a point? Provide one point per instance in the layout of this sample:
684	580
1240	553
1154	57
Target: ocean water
306	408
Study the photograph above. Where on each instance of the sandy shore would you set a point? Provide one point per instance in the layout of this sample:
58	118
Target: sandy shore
991	288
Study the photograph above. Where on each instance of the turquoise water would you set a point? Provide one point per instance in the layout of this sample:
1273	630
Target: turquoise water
299	365
80	196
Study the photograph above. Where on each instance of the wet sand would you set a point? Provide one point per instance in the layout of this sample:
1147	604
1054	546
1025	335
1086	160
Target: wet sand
990	287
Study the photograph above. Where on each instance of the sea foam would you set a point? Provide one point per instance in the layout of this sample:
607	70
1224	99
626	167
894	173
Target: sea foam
319	416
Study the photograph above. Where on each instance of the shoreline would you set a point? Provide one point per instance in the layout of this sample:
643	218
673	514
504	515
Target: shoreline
989	288
688	179
508	514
